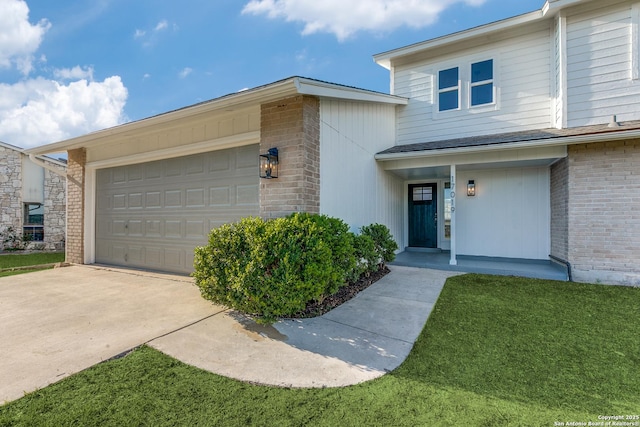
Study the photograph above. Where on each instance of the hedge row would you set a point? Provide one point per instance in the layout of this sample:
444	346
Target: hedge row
274	268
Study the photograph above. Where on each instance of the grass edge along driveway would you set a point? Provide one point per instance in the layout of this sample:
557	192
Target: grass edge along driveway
20	263
495	351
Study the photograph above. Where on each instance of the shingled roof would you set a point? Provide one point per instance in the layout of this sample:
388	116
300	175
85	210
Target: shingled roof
511	137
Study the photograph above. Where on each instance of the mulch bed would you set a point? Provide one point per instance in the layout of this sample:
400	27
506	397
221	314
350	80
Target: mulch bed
343	295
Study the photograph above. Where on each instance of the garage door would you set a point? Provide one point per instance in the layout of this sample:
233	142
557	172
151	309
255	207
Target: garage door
152	215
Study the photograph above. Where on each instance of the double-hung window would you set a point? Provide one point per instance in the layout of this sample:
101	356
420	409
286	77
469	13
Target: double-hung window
449	89
33	227
482	83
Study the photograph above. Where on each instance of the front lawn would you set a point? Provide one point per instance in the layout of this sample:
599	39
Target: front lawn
495	351
36	258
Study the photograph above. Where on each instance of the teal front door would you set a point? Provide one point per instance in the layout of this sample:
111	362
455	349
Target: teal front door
423	215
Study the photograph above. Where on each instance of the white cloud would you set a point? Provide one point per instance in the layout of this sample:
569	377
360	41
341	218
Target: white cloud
39	111
162	25
35	111
149	37
343	20
74	73
19	39
185	72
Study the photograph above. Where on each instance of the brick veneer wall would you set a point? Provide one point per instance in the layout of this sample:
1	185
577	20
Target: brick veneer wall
293	126
560	209
604	211
75	210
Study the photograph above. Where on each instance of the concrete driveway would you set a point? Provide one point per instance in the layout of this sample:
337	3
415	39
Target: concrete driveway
58	322
55	323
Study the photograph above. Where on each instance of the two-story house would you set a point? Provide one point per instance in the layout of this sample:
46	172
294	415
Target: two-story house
533	123
517	139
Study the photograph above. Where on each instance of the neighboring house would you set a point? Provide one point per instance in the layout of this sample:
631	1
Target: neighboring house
517	139
32	200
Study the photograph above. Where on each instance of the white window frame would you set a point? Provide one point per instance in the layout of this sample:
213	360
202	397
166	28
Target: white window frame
482	83
32	227
448	89
464	87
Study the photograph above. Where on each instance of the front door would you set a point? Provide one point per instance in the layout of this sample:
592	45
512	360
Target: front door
423	215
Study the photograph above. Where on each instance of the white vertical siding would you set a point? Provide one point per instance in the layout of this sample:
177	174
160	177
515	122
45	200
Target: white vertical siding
509	216
523	76
353	186
560	72
32	181
599	67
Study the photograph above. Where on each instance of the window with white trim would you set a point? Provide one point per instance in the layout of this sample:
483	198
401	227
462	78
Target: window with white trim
33	226
481	89
449	89
471	86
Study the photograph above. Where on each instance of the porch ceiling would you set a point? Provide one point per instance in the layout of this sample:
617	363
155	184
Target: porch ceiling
441	172
438	166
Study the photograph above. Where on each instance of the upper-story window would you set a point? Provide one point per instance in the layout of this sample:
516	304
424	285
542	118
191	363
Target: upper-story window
449	89
481	83
470	86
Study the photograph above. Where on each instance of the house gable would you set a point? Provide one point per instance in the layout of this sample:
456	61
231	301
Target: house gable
28	185
571	64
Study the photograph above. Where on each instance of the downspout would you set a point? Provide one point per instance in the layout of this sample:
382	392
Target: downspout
47	166
566	263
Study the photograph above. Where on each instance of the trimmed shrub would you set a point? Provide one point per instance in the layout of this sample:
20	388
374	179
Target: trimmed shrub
275	268
385	246
368	257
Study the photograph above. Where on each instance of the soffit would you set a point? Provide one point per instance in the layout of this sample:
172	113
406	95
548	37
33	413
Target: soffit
245	101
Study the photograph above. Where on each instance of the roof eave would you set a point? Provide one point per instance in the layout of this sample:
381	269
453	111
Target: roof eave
271	92
566	140
328	90
261	94
385	59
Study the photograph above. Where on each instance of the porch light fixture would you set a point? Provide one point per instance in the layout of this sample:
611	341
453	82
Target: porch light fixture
471	188
269	164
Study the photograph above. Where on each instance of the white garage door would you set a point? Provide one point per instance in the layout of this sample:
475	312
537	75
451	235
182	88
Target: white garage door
152	215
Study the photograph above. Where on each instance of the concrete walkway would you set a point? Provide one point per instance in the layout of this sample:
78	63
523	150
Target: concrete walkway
362	339
58	322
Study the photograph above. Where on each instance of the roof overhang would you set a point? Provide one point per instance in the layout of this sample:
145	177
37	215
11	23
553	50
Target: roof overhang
535	143
39	160
549	9
244	99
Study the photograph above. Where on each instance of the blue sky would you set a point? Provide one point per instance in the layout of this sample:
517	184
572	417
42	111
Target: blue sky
68	67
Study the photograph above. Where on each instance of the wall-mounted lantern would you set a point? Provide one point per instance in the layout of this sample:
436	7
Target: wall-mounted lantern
269	164
471	188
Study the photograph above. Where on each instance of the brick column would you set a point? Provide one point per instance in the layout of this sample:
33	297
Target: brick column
293	126
560	209
75	205
604	211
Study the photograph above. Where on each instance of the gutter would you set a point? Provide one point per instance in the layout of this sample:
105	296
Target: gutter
38	161
542	142
566	263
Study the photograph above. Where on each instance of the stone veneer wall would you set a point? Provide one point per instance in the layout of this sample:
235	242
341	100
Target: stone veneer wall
11	204
75	210
604	212
560	209
55	208
10	189
293	126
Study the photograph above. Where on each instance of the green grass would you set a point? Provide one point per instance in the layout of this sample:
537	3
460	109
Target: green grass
23	260
16	272
496	351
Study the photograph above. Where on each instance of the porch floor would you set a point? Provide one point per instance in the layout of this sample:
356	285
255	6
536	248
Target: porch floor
439	260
